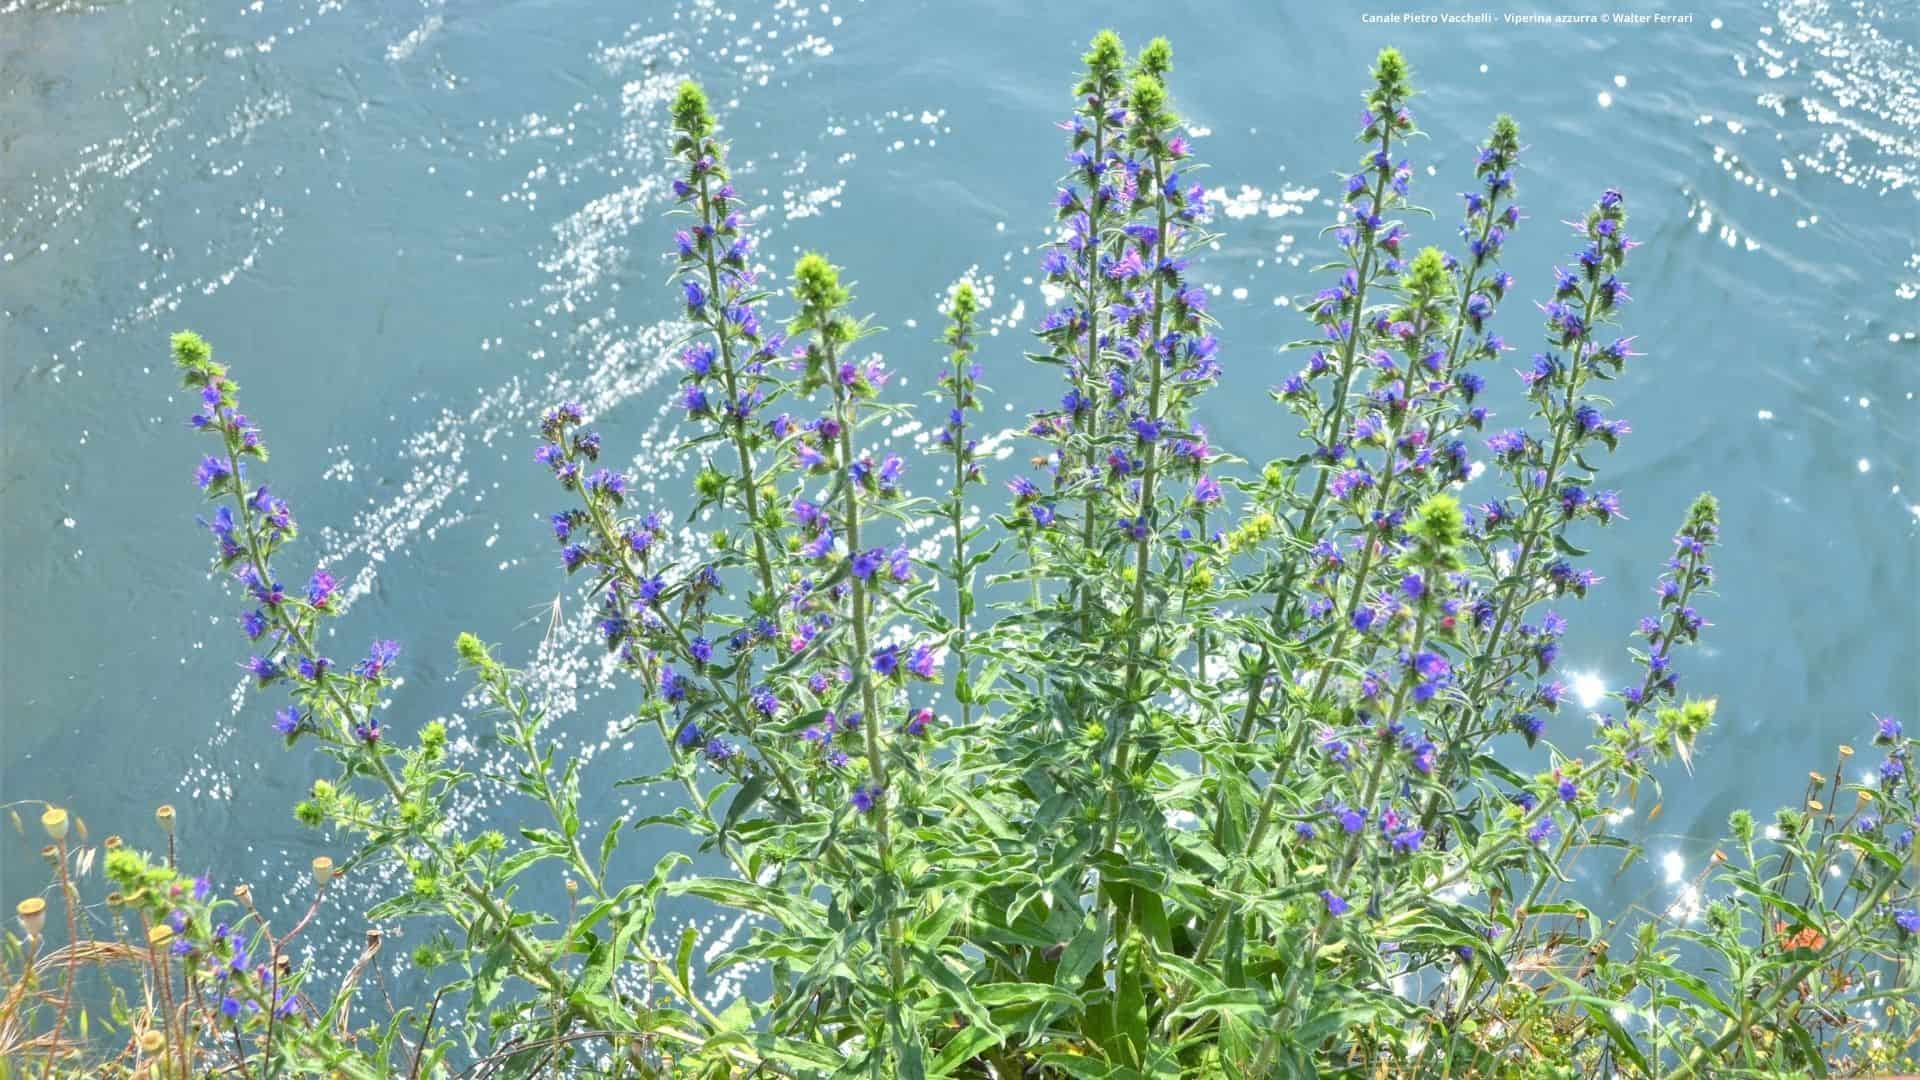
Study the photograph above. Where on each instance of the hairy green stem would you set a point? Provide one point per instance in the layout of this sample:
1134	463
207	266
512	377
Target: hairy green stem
1136	610
1263	818
1516	583
956	514
733	417
863	675
1089	374
1284	595
537	965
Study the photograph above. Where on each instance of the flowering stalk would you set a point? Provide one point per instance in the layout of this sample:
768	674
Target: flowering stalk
821	300
1491	216
1425	290
1552	503
1150	124
960	383
1435	536
1099	125
1436	533
1172	356
1689	571
1371	246
1425	287
720	292
353	732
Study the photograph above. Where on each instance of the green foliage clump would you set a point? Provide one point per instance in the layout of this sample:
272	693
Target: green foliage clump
1167	768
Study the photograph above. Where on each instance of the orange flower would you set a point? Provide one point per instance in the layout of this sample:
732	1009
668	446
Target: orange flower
1808	938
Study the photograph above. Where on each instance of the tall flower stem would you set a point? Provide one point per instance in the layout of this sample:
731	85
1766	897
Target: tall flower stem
960	338
608	532
821	299
540	967
723	304
1263	818
1089	374
1675	620
1286	594
863	675
1381	753
1517	583
736	418
1203	650
963	589
1136	609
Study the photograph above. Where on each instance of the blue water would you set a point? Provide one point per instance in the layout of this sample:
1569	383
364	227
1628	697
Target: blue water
411	225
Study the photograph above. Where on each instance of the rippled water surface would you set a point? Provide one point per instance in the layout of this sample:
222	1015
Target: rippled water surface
409	225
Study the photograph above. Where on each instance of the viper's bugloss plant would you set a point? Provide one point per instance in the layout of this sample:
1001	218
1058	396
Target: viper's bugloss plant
1245	769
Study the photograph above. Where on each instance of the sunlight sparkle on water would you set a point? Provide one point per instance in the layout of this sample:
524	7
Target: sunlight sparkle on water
1590	688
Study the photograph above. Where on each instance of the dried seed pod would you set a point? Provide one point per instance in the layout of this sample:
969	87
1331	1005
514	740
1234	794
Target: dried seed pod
33	915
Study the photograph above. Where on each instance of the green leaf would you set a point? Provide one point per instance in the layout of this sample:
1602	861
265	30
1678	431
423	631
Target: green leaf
995	824
1692	984
957	992
966	1044
1810	1055
1009	995
909	1050
1747	883
792	911
1084	1068
743	801
609	842
1082	953
683	956
1151	916
545	838
1246	1004
1601	1011
1561	545
512	866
